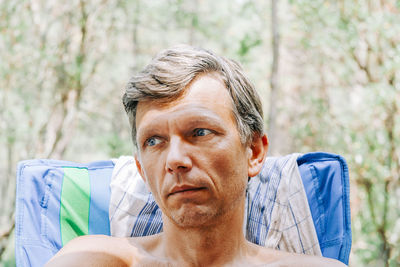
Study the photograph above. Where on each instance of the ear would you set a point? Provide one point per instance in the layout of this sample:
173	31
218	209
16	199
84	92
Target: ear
258	151
139	167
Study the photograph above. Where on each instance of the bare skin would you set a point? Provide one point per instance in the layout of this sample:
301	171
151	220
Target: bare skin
191	157
147	251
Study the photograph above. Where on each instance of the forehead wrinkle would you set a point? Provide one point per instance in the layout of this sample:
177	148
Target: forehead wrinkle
201	114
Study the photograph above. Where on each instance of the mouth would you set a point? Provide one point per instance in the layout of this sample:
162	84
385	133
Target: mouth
185	190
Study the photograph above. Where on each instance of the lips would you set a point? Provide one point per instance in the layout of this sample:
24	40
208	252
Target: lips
184	189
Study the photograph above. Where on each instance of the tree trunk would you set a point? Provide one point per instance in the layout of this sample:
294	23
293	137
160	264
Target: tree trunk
274	78
135	36
193	22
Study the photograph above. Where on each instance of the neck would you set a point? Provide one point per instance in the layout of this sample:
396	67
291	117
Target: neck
216	244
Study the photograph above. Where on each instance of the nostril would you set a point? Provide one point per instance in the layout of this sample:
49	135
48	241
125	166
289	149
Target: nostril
171	170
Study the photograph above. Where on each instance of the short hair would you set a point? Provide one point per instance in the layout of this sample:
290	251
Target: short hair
171	71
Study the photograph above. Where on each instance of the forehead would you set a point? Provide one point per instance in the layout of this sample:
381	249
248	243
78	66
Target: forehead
206	95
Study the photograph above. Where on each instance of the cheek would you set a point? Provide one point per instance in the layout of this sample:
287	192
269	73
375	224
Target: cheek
231	163
150	170
152	164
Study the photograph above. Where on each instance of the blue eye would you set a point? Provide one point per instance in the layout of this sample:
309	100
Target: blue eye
201	132
152	141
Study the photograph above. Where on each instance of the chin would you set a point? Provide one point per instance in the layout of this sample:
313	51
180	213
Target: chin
194	217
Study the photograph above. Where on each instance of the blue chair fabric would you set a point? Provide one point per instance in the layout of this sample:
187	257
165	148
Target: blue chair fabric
42	229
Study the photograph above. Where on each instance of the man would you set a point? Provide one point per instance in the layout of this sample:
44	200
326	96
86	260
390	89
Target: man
198	128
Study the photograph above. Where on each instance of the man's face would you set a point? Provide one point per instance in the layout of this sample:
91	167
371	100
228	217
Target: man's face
190	154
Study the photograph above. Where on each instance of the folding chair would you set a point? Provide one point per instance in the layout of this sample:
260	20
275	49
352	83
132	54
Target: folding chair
59	200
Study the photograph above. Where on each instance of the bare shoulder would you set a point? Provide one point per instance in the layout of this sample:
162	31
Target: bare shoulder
97	243
282	258
97	250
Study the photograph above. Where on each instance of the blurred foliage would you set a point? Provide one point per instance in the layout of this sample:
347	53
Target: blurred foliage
64	65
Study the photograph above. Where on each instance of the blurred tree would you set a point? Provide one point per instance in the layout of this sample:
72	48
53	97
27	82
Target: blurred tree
274	83
63	67
352	106
49	59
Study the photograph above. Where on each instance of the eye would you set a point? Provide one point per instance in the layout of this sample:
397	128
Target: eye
201	132
152	141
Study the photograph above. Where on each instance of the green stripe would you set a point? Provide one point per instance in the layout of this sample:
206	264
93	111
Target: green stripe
75	201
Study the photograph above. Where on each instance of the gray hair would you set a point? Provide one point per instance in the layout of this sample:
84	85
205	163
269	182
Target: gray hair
171	71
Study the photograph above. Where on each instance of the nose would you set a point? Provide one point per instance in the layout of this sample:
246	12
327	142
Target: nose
178	159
